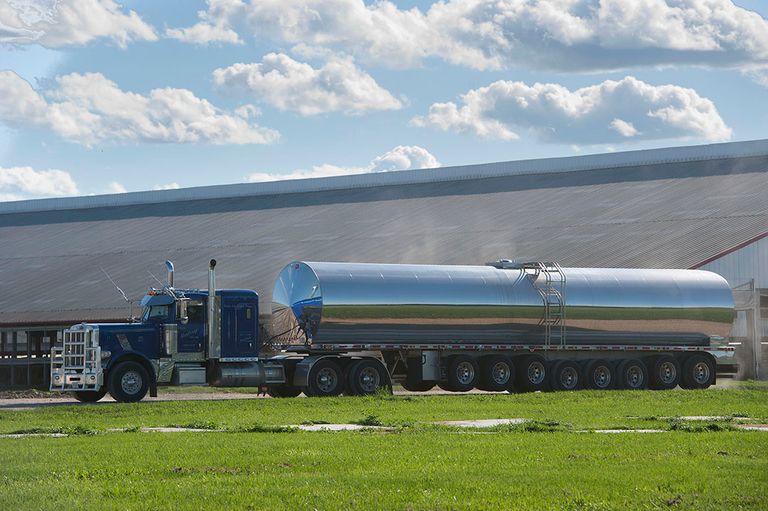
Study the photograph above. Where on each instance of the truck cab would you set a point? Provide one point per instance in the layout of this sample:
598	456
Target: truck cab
180	339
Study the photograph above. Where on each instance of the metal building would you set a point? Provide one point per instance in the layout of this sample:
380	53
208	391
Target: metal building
685	207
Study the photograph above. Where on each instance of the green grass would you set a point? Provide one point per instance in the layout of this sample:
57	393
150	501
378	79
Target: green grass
543	464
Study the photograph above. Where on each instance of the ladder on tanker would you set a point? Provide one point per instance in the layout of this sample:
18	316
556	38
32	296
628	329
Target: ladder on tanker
549	281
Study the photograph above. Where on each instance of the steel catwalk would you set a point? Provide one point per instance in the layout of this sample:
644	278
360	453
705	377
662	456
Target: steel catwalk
326	303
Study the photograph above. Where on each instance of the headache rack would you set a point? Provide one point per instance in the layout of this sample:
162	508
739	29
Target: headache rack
76	364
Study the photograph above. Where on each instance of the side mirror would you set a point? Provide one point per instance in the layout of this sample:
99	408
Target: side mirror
183	318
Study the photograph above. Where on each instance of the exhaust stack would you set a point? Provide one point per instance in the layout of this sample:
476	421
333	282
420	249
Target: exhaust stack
169	267
212	309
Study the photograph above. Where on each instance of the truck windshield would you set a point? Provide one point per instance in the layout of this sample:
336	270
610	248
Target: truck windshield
156	313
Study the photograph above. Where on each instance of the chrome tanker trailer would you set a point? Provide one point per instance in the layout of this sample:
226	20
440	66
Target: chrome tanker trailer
505	325
358	328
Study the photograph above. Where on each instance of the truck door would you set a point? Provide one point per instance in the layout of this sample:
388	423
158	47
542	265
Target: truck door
239	329
192	335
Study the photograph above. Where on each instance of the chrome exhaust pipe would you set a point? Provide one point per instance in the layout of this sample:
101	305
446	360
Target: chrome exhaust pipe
212	306
169	267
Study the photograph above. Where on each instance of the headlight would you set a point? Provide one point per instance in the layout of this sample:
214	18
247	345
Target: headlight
106	354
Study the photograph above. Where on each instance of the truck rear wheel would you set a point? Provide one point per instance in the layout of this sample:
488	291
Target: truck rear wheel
325	379
418	386
565	376
599	375
698	372
496	373
128	382
633	375
531	373
283	391
665	373
90	396
366	377
462	373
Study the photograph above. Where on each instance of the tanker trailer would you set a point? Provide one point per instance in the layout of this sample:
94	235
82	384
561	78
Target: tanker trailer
505	325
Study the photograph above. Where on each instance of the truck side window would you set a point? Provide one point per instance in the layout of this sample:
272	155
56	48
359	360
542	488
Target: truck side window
195	312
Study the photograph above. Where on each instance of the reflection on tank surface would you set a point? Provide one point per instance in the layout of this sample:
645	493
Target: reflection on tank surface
388	303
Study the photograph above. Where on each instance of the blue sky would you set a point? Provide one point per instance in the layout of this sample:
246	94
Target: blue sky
100	97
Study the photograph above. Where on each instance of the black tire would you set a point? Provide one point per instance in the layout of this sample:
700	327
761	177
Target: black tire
565	376
128	382
632	375
366	377
531	373
698	372
665	373
280	391
90	396
496	373
419	386
445	387
599	375
462	373
325	379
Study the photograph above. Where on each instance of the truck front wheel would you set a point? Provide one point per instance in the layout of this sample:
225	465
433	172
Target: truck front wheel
128	382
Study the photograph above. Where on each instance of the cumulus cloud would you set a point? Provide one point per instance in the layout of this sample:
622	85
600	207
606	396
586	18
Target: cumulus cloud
612	111
115	187
286	84
89	109
168	186
17	183
490	34
399	158
58	23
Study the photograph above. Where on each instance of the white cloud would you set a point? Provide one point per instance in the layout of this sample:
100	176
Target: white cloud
58	23
89	109
17	183
398	158
115	187
609	112
573	35
286	84
169	186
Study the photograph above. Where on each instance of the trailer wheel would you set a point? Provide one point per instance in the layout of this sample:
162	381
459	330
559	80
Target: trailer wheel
366	377
325	379
419	386
665	374
462	373
90	396
599	375
531	373
279	391
633	375
565	376
496	373
698	372
128	382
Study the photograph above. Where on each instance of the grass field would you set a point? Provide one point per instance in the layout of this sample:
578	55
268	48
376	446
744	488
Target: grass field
553	461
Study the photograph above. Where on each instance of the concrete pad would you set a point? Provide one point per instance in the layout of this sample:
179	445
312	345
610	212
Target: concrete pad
480	423
180	430
753	427
26	435
336	427
628	431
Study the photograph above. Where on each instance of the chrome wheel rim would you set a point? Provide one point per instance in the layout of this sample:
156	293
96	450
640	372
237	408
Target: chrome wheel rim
369	379
536	373
569	378
131	382
634	377
601	376
465	373
667	372
500	373
701	373
327	380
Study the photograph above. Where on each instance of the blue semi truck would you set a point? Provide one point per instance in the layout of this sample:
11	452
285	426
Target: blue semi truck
359	328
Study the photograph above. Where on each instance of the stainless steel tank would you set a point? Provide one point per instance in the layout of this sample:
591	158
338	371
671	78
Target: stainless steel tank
327	303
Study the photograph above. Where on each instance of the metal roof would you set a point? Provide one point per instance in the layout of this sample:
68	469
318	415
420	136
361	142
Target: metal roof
660	208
